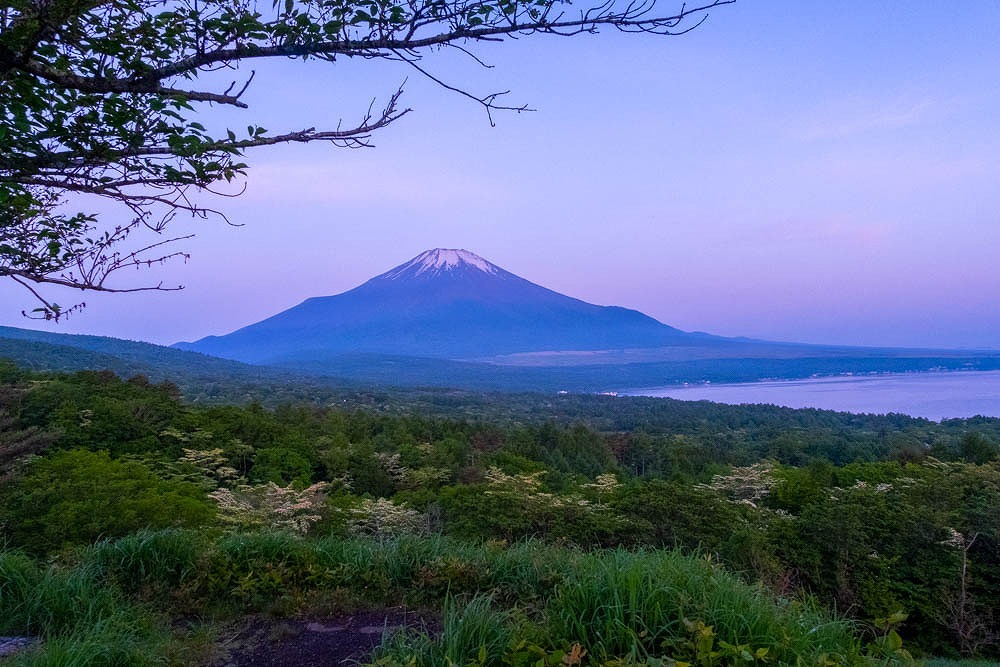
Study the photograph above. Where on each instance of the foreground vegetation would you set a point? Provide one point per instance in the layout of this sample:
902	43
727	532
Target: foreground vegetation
137	525
502	603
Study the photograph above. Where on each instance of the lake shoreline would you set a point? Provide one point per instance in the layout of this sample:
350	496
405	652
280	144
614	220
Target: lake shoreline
935	395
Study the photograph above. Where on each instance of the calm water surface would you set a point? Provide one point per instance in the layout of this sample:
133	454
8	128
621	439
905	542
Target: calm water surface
932	395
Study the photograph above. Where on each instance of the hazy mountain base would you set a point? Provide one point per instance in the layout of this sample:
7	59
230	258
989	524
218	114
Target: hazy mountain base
204	380
422	372
47	351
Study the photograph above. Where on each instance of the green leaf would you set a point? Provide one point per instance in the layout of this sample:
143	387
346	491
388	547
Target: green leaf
897	618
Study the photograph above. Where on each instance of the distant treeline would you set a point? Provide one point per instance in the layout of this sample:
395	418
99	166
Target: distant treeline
206	379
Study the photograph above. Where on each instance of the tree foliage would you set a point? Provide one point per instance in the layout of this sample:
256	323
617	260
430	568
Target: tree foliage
76	496
858	528
102	99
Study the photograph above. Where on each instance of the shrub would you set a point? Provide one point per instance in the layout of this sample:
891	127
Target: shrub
76	497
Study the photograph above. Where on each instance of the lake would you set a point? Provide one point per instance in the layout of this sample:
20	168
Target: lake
932	395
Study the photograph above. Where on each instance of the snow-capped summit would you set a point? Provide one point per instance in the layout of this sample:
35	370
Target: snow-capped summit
441	259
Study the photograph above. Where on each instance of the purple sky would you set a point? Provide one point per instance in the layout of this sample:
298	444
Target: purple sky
816	172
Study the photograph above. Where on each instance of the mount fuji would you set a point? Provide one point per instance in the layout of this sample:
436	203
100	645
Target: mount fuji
444	304
451	319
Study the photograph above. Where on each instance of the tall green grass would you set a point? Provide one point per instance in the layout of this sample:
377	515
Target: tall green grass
644	604
150	561
425	569
78	618
502	604
35	600
636	607
473	632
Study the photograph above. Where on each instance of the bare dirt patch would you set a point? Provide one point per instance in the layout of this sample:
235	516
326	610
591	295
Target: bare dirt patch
11	645
316	642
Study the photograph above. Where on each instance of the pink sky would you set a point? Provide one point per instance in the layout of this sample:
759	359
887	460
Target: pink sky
817	172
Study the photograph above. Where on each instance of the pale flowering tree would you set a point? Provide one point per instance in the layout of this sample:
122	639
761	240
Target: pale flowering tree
959	611
526	489
499	480
393	468
517	505
200	464
251	506
881	487
748	485
271	506
604	485
212	464
207	467
197	439
383	518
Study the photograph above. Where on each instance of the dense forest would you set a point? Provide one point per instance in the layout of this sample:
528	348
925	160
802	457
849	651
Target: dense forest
885	526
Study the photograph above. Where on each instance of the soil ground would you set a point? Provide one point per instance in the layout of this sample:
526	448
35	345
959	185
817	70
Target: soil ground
11	645
317	642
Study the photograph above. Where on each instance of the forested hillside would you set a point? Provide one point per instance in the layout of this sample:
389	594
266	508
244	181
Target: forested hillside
207	379
887	520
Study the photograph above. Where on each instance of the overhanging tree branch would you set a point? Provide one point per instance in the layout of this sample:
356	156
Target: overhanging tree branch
101	99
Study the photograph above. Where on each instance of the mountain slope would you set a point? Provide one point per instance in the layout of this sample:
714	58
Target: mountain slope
448	304
43	350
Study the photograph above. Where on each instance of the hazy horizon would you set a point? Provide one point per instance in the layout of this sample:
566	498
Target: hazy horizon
812	173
